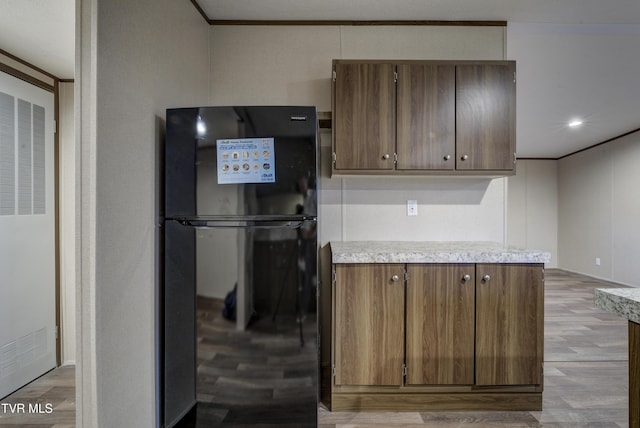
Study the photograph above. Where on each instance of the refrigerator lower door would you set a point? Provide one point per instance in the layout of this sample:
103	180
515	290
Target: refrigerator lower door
179	383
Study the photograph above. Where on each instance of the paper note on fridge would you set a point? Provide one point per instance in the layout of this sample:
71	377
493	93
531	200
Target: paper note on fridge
246	160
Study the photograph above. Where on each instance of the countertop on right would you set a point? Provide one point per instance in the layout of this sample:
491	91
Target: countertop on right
433	252
624	302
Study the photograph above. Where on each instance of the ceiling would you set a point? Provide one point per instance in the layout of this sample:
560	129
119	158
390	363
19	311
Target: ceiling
40	32
575	57
545	11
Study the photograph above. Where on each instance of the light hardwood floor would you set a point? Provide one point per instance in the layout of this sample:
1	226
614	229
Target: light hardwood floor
55	390
586	367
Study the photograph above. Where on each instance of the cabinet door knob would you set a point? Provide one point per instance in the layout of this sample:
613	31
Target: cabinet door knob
466	278
486	278
464	157
447	157
385	156
394	278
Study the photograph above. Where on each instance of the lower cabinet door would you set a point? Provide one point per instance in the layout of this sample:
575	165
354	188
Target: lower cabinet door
440	324
369	324
509	324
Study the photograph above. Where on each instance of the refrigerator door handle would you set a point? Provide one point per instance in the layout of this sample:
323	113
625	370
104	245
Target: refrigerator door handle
243	224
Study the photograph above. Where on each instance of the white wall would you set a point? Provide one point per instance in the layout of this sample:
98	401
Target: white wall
135	59
599	208
596	196
532	211
67	159
292	65
449	209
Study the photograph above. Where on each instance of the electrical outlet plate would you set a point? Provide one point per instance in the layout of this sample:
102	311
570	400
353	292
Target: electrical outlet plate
412	207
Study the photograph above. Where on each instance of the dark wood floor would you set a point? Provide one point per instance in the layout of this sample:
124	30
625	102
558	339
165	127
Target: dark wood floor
586	371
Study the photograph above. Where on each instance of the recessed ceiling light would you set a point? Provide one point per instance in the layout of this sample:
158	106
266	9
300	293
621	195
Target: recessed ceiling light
575	123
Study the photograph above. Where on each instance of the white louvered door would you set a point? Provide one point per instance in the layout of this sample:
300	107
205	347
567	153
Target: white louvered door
27	233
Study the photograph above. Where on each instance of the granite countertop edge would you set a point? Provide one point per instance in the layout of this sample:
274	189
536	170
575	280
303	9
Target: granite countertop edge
624	302
432	252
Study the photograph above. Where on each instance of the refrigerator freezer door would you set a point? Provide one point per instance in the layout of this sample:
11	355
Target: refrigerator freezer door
239	161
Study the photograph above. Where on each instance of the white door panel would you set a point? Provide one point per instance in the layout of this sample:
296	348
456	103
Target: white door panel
27	233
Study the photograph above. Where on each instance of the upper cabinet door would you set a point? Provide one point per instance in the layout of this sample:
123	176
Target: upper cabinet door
485	116
364	116
426	116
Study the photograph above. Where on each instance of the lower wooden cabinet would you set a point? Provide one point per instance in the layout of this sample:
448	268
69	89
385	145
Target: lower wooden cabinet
440	322
509	324
437	336
369	324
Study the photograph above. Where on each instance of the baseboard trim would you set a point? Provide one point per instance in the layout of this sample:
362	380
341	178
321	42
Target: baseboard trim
391	402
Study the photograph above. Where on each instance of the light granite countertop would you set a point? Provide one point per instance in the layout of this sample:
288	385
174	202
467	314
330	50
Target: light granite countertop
624	302
432	252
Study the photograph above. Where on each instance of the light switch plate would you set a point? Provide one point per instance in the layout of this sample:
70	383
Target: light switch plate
412	207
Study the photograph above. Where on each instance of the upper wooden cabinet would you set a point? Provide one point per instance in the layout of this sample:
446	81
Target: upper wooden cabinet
364	118
485	116
424	117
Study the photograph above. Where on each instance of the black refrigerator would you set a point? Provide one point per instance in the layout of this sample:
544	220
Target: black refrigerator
240	219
